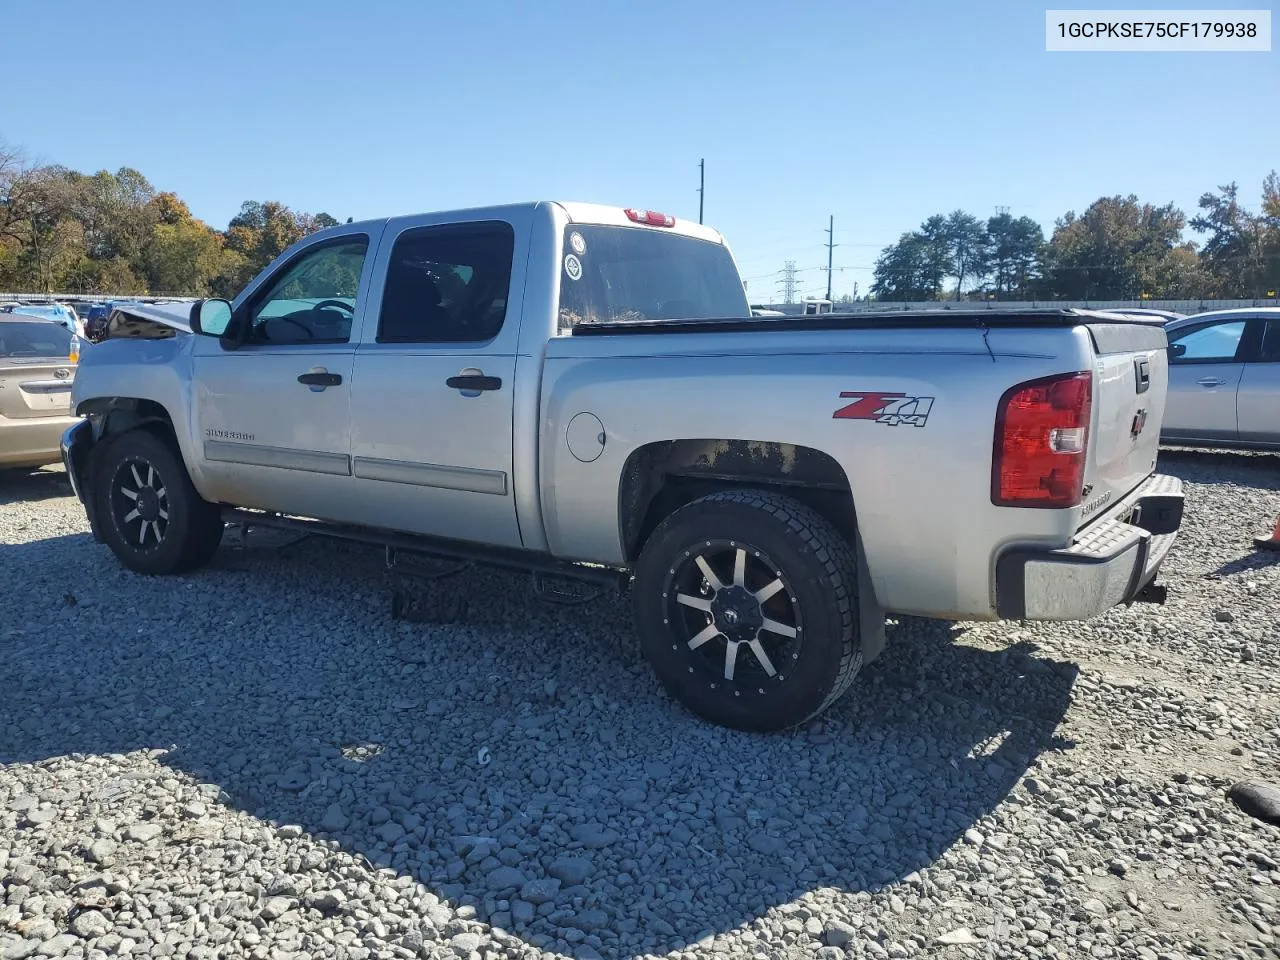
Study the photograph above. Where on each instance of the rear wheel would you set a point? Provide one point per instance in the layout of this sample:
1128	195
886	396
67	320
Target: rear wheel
151	516
747	609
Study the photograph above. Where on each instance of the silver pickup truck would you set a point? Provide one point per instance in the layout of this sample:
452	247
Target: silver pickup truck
582	391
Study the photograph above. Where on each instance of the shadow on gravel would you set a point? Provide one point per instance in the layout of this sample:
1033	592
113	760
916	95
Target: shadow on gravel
1196	465
279	676
33	485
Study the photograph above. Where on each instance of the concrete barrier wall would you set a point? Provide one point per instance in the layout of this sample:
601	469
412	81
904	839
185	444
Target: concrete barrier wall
1177	306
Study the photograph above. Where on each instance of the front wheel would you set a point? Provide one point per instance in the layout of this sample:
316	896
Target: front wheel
151	516
746	603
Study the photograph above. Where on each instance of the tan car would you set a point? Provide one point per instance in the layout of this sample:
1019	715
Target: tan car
38	361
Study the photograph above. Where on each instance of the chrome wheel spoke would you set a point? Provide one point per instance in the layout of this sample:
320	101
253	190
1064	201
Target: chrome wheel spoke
698	603
137	477
151	476
740	568
773	626
730	658
131	516
710	574
164	514
767	591
142	533
131	494
758	649
708	632
155	528
161	492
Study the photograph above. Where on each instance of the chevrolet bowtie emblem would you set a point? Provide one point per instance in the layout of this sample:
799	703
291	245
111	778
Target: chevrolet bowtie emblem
1139	422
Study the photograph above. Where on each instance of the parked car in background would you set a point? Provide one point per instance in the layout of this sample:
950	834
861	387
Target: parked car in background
36	374
1168	316
57	312
1224	379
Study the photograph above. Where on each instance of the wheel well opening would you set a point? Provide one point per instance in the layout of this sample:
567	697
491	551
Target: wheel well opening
659	478
115	415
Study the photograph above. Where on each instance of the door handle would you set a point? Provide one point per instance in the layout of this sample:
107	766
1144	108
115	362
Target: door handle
1210	382
320	379
474	381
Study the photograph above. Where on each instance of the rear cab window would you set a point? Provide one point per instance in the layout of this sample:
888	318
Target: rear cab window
617	274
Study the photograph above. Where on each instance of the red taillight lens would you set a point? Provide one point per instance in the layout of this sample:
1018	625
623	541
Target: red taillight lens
651	217
1042	436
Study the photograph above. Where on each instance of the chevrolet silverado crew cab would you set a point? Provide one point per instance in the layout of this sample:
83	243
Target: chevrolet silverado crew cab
581	390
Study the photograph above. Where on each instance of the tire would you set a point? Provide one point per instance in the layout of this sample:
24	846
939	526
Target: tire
151	516
807	628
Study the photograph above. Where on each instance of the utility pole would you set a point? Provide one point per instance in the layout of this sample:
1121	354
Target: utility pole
831	245
702	185
788	282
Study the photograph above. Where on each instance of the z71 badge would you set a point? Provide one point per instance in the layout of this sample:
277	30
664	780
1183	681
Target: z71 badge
891	409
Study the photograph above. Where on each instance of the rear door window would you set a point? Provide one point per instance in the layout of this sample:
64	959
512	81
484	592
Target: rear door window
448	284
1270	352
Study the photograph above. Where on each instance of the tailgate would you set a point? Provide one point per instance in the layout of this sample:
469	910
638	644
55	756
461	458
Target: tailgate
1130	384
35	387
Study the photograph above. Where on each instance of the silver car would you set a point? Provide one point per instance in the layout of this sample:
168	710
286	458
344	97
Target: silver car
1224	379
38	360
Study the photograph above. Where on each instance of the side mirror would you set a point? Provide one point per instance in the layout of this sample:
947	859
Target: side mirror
211	318
1177	350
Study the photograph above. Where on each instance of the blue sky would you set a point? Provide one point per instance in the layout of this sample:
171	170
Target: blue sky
877	113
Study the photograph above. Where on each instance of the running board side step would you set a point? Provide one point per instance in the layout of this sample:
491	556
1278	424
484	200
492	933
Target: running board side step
508	558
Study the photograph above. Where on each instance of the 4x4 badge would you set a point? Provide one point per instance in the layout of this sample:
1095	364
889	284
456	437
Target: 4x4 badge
890	409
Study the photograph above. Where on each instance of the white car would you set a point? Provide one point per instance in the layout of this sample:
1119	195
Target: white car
1224	379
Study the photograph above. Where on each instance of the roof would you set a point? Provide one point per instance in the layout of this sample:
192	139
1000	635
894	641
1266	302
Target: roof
578	212
1242	312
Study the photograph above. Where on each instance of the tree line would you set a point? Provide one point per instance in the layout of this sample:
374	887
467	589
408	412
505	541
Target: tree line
114	233
1118	249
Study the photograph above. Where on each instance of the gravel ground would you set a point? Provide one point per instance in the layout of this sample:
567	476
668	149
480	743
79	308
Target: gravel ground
258	761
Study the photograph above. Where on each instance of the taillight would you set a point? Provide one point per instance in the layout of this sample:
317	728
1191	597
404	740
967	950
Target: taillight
1042	434
651	217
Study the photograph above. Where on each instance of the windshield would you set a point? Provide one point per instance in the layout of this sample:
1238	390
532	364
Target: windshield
620	274
34	339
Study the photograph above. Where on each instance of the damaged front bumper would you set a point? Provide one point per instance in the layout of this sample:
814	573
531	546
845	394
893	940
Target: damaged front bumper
76	442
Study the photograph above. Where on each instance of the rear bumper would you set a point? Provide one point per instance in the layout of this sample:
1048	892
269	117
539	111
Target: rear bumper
31	443
1110	561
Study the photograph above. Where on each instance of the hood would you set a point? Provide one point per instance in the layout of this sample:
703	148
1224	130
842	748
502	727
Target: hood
149	321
